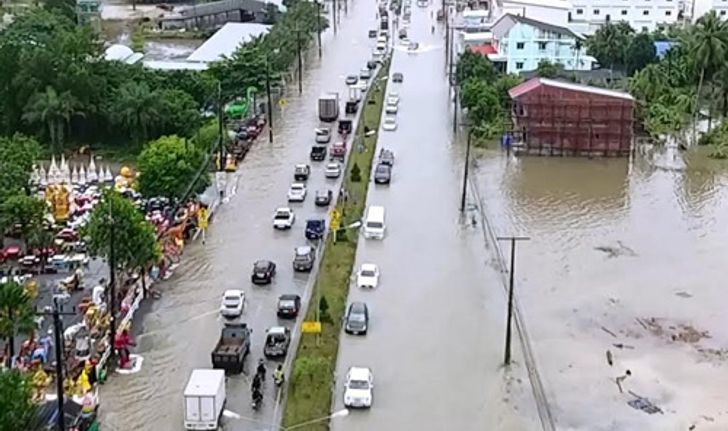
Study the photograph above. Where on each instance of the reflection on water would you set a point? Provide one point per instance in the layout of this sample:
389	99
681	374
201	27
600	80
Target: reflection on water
612	241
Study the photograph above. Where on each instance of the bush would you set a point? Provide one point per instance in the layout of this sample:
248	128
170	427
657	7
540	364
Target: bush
355	173
324	315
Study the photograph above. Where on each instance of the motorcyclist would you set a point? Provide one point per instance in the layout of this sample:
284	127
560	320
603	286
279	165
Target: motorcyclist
255	386
432	29
257	398
261	369
278	375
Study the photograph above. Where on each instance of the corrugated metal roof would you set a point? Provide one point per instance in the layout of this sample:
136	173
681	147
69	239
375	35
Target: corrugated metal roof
226	40
534	83
540	24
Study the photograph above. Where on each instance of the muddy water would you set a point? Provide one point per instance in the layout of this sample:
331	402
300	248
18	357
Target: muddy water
613	241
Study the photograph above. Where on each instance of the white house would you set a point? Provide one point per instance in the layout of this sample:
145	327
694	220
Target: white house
522	43
551	11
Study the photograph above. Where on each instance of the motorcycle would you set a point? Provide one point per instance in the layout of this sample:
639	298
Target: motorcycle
257	400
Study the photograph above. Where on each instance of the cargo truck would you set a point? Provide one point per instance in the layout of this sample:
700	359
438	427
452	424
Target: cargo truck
329	107
204	399
232	347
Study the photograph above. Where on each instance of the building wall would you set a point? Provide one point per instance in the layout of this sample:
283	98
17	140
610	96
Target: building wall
558	121
551	15
525	47
588	15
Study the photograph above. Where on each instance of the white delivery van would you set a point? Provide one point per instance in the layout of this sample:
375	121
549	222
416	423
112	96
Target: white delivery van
204	399
374	223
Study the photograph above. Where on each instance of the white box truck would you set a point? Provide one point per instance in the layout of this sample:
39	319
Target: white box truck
329	107
204	399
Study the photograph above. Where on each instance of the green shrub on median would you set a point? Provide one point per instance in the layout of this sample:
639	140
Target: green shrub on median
312	377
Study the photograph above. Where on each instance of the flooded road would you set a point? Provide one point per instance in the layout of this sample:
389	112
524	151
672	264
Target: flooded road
625	257
435	339
182	327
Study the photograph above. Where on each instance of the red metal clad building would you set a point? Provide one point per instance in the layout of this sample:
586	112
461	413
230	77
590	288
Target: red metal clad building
562	118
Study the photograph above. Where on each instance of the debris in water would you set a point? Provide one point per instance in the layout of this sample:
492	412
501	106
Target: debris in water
616	251
684	294
623	346
642	403
610	360
609	332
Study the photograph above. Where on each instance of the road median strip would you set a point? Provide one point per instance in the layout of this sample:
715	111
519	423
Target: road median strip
312	378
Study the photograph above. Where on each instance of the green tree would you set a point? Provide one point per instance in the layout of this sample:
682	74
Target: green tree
54	110
167	166
181	113
708	43
355	173
22	211
18	153
547	69
136	108
245	68
16	313
16	397
473	65
134	238
609	44
640	52
40	238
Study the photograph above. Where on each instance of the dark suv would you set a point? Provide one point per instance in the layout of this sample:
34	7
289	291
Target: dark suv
318	153
357	319
304	258
315	228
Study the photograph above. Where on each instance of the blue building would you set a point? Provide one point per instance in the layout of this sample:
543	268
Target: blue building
522	43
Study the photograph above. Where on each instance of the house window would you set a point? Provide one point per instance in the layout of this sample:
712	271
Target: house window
668	12
519	65
520	45
580	11
542	46
645	12
624	11
596	11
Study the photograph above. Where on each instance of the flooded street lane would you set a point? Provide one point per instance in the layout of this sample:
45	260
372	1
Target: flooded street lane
435	338
182	328
614	245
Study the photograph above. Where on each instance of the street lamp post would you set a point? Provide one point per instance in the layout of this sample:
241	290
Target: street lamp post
333	11
318	26
511	282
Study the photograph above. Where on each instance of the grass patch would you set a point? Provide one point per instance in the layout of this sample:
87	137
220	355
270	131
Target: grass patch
312	379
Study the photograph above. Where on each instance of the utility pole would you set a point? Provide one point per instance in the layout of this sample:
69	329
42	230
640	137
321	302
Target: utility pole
318	26
300	61
452	48
346	7
455	113
465	170
58	341
220	140
447	40
333	11
511	281
270	102
112	277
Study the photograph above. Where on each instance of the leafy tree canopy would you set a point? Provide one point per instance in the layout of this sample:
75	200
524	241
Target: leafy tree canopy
167	165
17	155
16	398
609	44
473	65
134	238
547	69
17	316
641	51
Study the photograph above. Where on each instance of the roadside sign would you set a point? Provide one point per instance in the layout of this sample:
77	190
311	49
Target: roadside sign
202	218
311	327
282	102
335	222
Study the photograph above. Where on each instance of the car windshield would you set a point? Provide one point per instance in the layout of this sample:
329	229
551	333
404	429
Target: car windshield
332	167
287	303
358	384
382	169
314	223
389	120
322	132
282	216
231	300
322	194
261	266
374	224
296	187
358	318
368	273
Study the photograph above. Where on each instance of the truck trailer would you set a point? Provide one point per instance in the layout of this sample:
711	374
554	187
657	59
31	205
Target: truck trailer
204	399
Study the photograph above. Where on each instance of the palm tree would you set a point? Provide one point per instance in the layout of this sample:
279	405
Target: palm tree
16	313
54	110
709	45
136	108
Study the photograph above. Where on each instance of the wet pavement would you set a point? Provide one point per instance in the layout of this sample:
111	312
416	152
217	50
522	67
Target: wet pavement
181	329
615	243
435	340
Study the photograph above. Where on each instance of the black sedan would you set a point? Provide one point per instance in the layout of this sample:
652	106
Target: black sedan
263	272
288	306
323	198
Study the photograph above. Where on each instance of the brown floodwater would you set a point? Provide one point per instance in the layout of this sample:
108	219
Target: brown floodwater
626	255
